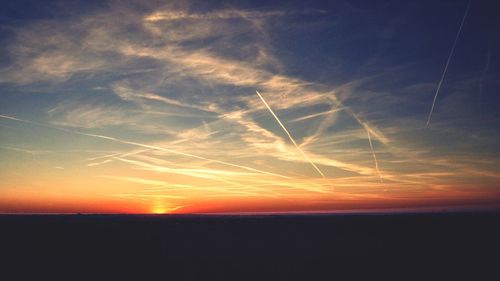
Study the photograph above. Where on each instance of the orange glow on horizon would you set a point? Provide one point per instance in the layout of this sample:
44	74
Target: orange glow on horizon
47	203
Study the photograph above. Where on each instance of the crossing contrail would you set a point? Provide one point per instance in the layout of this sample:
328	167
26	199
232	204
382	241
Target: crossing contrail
146	146
447	64
379	136
289	136
374	155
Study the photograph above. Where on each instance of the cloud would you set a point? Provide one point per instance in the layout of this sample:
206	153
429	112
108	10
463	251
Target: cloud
89	115
217	15
27	150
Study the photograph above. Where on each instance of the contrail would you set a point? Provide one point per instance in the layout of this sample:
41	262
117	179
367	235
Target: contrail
374	155
99	163
485	70
447	64
145	146
316	115
378	135
289	136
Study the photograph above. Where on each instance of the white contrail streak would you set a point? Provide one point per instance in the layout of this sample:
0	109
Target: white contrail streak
99	163
374	155
447	64
378	135
146	146
316	115
485	70
289	136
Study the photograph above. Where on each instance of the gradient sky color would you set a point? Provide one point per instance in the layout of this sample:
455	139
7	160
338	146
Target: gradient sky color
152	106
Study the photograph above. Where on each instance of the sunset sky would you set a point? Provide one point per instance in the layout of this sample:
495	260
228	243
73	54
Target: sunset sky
254	106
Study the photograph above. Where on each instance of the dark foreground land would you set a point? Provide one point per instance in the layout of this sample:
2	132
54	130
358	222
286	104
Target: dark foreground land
299	247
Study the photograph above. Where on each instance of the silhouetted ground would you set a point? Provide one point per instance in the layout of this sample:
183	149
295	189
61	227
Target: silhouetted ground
292	247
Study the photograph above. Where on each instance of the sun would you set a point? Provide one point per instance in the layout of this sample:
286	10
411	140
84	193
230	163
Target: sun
159	209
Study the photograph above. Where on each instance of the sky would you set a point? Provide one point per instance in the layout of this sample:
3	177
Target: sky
248	106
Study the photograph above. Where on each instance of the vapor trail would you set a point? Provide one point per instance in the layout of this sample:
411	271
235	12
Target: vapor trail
378	135
374	155
447	64
182	153
289	136
316	115
485	70
146	146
